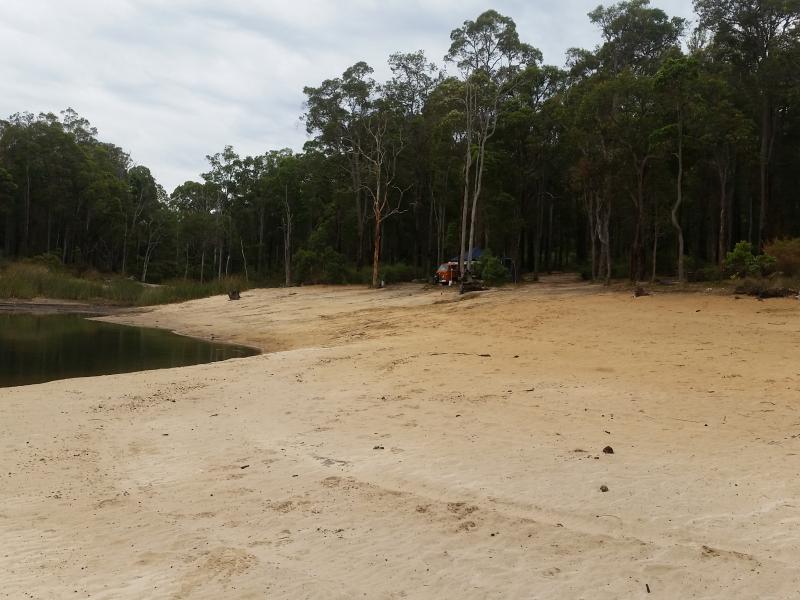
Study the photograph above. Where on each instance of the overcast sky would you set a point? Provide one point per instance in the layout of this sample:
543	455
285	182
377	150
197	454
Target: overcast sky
174	80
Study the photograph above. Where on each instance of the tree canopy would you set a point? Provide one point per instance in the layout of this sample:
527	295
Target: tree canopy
654	152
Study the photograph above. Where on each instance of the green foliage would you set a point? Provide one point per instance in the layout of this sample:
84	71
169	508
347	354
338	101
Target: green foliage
491	269
787	255
705	272
180	290
741	262
561	163
30	280
398	273
324	266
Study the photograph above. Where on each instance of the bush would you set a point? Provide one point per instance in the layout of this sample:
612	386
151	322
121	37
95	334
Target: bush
742	263
787	255
178	290
50	260
491	269
25	281
697	270
397	273
325	266
30	280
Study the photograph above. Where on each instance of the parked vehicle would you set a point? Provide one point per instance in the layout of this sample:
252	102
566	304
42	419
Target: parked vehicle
447	273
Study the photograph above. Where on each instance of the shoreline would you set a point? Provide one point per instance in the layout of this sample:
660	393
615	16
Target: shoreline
47	306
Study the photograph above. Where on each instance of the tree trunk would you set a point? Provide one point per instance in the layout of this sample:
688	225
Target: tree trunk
588	199
376	253
27	226
764	157
637	250
147	253
537	235
476	194
260	266
678	201
244	260
655	251
462	254
287	238
467	168
602	219
355	173
125	247
722	248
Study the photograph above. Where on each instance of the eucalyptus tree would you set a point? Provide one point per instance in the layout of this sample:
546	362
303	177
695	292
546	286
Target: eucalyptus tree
414	79
636	40
223	179
194	203
380	148
490	56
725	132
335	114
759	37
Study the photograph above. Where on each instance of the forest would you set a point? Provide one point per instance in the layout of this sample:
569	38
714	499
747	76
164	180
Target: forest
650	155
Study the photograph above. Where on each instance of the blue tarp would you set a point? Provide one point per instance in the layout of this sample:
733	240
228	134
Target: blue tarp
476	255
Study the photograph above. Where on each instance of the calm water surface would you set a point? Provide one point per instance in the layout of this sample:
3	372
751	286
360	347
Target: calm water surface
36	348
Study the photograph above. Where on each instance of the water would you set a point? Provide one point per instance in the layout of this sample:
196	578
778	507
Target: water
36	348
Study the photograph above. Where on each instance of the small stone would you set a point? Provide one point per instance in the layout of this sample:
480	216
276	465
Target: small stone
604	488
608	450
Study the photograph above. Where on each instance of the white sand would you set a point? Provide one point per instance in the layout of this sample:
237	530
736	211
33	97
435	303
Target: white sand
386	459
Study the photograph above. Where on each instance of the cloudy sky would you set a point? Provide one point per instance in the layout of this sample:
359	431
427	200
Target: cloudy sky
174	80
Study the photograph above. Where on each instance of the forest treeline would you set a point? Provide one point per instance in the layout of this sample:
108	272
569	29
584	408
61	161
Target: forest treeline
653	153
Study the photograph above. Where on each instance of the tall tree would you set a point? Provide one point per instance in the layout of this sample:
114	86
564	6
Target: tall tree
490	56
758	36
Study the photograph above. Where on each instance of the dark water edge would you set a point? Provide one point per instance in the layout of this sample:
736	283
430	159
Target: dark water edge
40	348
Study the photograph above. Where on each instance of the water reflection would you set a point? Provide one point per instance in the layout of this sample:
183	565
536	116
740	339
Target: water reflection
36	348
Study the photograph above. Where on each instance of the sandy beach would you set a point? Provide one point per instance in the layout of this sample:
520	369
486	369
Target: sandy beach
408	443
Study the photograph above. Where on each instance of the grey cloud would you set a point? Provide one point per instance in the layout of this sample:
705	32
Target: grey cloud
174	81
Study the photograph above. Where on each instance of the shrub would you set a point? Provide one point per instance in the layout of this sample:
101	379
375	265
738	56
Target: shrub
397	273
701	271
325	266
787	255
491	269
742	263
30	280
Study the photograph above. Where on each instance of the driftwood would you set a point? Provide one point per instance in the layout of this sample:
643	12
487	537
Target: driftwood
234	295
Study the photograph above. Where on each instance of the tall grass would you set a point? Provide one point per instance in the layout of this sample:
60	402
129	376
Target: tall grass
28	280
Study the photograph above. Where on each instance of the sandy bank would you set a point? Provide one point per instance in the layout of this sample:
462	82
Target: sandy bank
401	444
